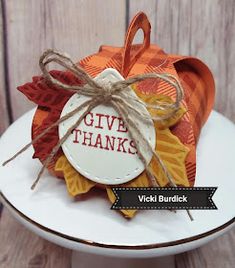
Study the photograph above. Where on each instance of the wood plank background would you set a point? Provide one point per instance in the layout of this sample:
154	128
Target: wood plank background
4	112
205	29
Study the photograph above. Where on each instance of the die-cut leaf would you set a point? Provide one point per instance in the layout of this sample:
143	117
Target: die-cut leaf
173	153
160	99
75	182
44	145
127	213
141	181
46	95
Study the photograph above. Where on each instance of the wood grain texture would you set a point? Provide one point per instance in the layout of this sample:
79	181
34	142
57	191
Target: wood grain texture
170	21
78	27
204	29
20	248
213	40
218	253
4	117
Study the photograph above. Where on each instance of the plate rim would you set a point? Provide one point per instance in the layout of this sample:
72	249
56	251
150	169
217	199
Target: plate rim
113	246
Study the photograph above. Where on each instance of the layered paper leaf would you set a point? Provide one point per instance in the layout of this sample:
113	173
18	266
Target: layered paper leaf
52	100
47	95
173	153
75	182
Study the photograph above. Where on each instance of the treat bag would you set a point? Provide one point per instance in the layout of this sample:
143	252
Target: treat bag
195	77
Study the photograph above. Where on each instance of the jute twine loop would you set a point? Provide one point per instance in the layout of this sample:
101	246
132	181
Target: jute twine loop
116	95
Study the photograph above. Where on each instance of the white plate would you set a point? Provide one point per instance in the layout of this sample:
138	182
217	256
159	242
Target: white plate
89	225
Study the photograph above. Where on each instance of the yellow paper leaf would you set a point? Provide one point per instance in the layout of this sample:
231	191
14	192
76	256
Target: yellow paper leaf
75	182
112	198
173	153
141	181
160	99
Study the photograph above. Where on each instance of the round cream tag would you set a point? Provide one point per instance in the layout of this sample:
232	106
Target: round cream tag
100	148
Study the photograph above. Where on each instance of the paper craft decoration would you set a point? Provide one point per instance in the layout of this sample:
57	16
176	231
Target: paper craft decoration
176	137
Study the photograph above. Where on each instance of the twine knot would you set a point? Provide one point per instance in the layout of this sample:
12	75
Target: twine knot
108	91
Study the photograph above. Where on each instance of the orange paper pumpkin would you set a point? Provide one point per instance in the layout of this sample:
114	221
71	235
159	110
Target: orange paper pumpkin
195	77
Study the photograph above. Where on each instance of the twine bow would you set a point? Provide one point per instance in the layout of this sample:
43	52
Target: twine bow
115	94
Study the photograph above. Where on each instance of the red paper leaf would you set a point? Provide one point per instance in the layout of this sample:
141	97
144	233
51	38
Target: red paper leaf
43	94
44	146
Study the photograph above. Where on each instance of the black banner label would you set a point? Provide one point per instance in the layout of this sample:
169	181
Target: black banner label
164	198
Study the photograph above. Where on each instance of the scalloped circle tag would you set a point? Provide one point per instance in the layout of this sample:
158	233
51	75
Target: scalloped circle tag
100	148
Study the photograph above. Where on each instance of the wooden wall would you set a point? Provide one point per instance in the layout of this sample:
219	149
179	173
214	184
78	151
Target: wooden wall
202	28
191	27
